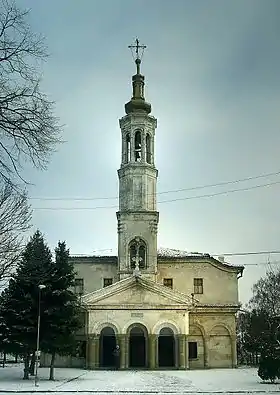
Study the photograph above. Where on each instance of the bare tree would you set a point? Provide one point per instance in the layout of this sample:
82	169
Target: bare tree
266	294
29	130
15	215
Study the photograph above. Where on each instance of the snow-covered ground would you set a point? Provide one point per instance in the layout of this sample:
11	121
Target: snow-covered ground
71	381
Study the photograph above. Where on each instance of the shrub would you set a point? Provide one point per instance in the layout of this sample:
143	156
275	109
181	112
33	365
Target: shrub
269	368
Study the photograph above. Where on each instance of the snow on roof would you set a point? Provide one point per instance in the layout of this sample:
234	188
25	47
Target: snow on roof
162	252
173	253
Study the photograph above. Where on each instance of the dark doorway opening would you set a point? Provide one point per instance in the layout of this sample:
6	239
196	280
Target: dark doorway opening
137	348
166	348
107	346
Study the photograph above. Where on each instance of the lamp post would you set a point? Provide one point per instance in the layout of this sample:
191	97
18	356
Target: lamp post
40	287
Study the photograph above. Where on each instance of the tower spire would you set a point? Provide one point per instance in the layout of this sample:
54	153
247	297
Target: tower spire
137	102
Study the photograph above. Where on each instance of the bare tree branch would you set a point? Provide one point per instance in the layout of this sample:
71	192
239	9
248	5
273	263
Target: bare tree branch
29	130
15	216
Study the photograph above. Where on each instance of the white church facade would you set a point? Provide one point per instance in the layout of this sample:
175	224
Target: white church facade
164	308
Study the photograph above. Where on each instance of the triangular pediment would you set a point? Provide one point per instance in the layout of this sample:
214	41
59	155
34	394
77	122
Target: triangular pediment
135	291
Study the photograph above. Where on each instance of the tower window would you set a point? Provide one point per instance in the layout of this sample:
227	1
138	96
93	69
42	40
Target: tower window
148	149
137	146
198	285
127	148
137	252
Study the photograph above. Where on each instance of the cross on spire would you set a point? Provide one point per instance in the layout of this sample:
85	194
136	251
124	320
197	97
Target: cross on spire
139	50
137	46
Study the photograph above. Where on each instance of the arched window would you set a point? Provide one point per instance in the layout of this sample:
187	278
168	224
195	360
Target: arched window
137	146
148	149
127	148
137	253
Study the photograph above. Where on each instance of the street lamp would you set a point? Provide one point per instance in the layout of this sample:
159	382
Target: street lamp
40	287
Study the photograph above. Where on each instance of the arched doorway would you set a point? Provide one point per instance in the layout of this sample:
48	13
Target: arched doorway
107	345
137	347
166	348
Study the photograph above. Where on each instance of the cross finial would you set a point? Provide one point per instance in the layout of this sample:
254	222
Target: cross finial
139	50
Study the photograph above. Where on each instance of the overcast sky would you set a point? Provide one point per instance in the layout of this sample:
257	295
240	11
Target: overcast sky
212	77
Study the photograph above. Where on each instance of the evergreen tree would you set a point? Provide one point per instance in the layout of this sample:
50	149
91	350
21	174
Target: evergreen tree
62	319
59	306
19	302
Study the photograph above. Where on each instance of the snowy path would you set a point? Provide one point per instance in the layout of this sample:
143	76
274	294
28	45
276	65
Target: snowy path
73	381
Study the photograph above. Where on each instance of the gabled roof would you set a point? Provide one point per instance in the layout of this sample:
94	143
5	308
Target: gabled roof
129	291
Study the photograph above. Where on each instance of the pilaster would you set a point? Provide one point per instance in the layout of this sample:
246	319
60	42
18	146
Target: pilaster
206	351
187	354
143	147
182	351
93	352
233	351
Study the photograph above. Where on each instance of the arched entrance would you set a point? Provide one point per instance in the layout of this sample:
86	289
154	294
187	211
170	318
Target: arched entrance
166	348
107	345
137	347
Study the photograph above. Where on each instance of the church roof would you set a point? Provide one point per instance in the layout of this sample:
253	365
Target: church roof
173	253
164	254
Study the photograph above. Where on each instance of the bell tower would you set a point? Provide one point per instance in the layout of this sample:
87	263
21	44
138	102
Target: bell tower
137	216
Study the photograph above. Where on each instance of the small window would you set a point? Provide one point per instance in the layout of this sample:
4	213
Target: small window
107	282
168	282
198	285
192	350
79	286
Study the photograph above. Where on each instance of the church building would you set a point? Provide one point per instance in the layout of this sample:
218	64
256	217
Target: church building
166	309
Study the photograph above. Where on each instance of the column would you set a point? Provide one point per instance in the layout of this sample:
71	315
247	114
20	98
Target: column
233	351
96	341
132	146
152	150
182	352
143	146
152	351
206	342
124	153
122	340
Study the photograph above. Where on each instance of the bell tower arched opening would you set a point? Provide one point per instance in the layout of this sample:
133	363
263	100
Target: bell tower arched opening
127	148
137	146
137	253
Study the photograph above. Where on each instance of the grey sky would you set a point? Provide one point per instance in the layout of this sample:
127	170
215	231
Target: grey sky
212	73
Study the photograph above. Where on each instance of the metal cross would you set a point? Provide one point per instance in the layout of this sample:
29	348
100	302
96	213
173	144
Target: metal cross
137	47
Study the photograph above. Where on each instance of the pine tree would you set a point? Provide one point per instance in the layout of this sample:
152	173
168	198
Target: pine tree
59	306
63	317
19	302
